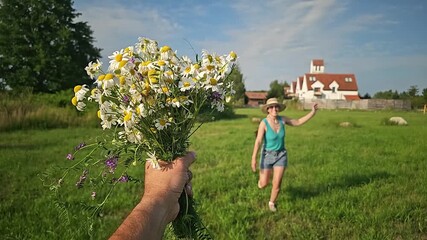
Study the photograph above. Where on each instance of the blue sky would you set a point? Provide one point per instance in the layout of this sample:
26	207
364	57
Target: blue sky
383	42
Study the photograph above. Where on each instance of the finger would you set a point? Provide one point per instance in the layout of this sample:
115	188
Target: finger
188	159
189	189
190	176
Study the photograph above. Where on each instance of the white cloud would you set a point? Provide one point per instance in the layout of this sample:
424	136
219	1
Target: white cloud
117	26
275	39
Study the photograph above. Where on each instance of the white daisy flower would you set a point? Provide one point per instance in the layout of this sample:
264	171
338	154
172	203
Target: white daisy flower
118	59
81	106
166	53
140	110
93	68
161	123
232	56
95	95
186	84
80	92
153	160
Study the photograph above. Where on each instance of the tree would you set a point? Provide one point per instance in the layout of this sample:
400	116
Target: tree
413	91
425	94
366	96
387	95
238	85
42	46
277	90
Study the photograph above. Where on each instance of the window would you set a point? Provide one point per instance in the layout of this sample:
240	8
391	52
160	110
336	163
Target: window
348	79
312	78
334	90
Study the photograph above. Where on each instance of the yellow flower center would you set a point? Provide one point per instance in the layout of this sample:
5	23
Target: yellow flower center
99	114
74	101
128	116
186	84
213	81
122	63
101	77
77	88
94	91
108	76
152	76
165	89
122	80
161	63
187	70
210	67
164	49
118	57
153	80
233	55
162	122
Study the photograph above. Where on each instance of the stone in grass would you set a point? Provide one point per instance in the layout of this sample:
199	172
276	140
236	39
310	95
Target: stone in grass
256	120
398	121
346	124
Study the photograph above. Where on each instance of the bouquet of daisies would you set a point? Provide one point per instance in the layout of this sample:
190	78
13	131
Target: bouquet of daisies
149	100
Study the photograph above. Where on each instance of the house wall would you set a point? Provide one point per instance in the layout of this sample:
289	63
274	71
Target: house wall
255	102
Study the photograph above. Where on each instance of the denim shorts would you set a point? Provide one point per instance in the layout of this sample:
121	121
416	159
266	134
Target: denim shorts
270	159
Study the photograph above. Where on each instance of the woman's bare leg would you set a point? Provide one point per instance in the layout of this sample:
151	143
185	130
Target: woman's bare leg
264	176
277	182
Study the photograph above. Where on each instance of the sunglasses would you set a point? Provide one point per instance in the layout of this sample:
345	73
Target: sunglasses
275	106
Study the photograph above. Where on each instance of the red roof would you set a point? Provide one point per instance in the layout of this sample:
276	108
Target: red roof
294	86
318	62
352	97
346	82
301	80
256	95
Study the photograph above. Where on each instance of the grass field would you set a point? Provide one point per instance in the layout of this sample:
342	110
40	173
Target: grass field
367	181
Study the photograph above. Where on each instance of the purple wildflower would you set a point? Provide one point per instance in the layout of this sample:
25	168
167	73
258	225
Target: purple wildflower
80	146
111	163
70	156
125	99
216	96
82	179
123	178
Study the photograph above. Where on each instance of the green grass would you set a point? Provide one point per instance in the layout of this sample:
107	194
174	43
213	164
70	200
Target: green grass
366	181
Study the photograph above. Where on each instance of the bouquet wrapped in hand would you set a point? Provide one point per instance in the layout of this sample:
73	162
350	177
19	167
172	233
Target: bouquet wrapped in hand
149	99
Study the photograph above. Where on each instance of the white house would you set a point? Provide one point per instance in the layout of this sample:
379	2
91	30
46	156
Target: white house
320	85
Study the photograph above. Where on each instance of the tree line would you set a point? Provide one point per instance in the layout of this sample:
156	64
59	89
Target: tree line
418	98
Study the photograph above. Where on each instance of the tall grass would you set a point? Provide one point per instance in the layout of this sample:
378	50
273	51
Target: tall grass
366	181
25	110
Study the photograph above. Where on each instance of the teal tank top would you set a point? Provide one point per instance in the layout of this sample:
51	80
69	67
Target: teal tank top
274	141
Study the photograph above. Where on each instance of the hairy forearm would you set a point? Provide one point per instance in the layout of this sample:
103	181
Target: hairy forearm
146	221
